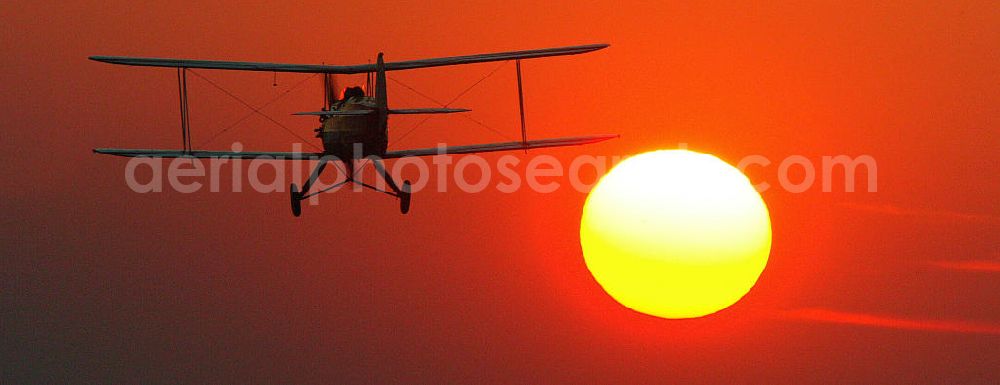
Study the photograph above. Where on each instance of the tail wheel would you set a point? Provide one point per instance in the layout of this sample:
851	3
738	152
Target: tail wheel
296	199
404	197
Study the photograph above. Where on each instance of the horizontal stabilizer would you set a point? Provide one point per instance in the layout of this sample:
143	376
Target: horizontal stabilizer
403	111
348	69
336	113
414	111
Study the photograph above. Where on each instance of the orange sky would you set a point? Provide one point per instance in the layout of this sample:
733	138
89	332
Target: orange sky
104	284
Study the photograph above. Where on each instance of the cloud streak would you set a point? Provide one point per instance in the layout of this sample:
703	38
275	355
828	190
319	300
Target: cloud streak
881	321
978	266
951	215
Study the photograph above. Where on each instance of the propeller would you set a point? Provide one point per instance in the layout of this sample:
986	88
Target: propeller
329	91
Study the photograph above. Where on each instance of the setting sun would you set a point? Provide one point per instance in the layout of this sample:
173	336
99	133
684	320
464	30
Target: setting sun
675	234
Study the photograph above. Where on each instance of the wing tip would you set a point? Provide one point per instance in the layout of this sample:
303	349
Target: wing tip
593	47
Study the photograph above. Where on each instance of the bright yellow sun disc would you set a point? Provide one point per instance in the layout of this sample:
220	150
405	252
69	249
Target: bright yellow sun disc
675	234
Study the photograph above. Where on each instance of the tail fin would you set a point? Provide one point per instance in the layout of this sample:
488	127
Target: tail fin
381	100
381	107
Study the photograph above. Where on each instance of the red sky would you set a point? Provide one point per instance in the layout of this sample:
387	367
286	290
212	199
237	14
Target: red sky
101	284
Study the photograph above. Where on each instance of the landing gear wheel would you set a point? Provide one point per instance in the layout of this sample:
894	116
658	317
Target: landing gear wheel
296	199
404	197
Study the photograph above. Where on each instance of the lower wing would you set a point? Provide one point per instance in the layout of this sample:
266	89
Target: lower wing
504	146
442	150
133	153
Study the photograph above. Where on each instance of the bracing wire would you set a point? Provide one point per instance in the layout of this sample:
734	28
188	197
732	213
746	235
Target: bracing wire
256	110
453	100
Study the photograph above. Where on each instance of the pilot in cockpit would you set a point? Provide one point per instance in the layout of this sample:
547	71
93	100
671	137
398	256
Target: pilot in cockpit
351	93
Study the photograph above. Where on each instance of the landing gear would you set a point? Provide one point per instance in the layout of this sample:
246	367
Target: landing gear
404	197
402	193
296	199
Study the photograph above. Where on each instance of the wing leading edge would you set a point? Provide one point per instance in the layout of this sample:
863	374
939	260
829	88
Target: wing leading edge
348	69
504	146
144	153
452	150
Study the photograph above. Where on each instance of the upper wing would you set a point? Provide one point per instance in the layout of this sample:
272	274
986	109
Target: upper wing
348	69
504	146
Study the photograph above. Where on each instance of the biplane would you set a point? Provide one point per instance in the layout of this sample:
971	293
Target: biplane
355	125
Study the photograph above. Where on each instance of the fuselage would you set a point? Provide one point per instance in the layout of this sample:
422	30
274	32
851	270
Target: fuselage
340	133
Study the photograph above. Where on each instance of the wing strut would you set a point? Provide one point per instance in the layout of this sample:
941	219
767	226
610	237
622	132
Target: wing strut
520	100
185	117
